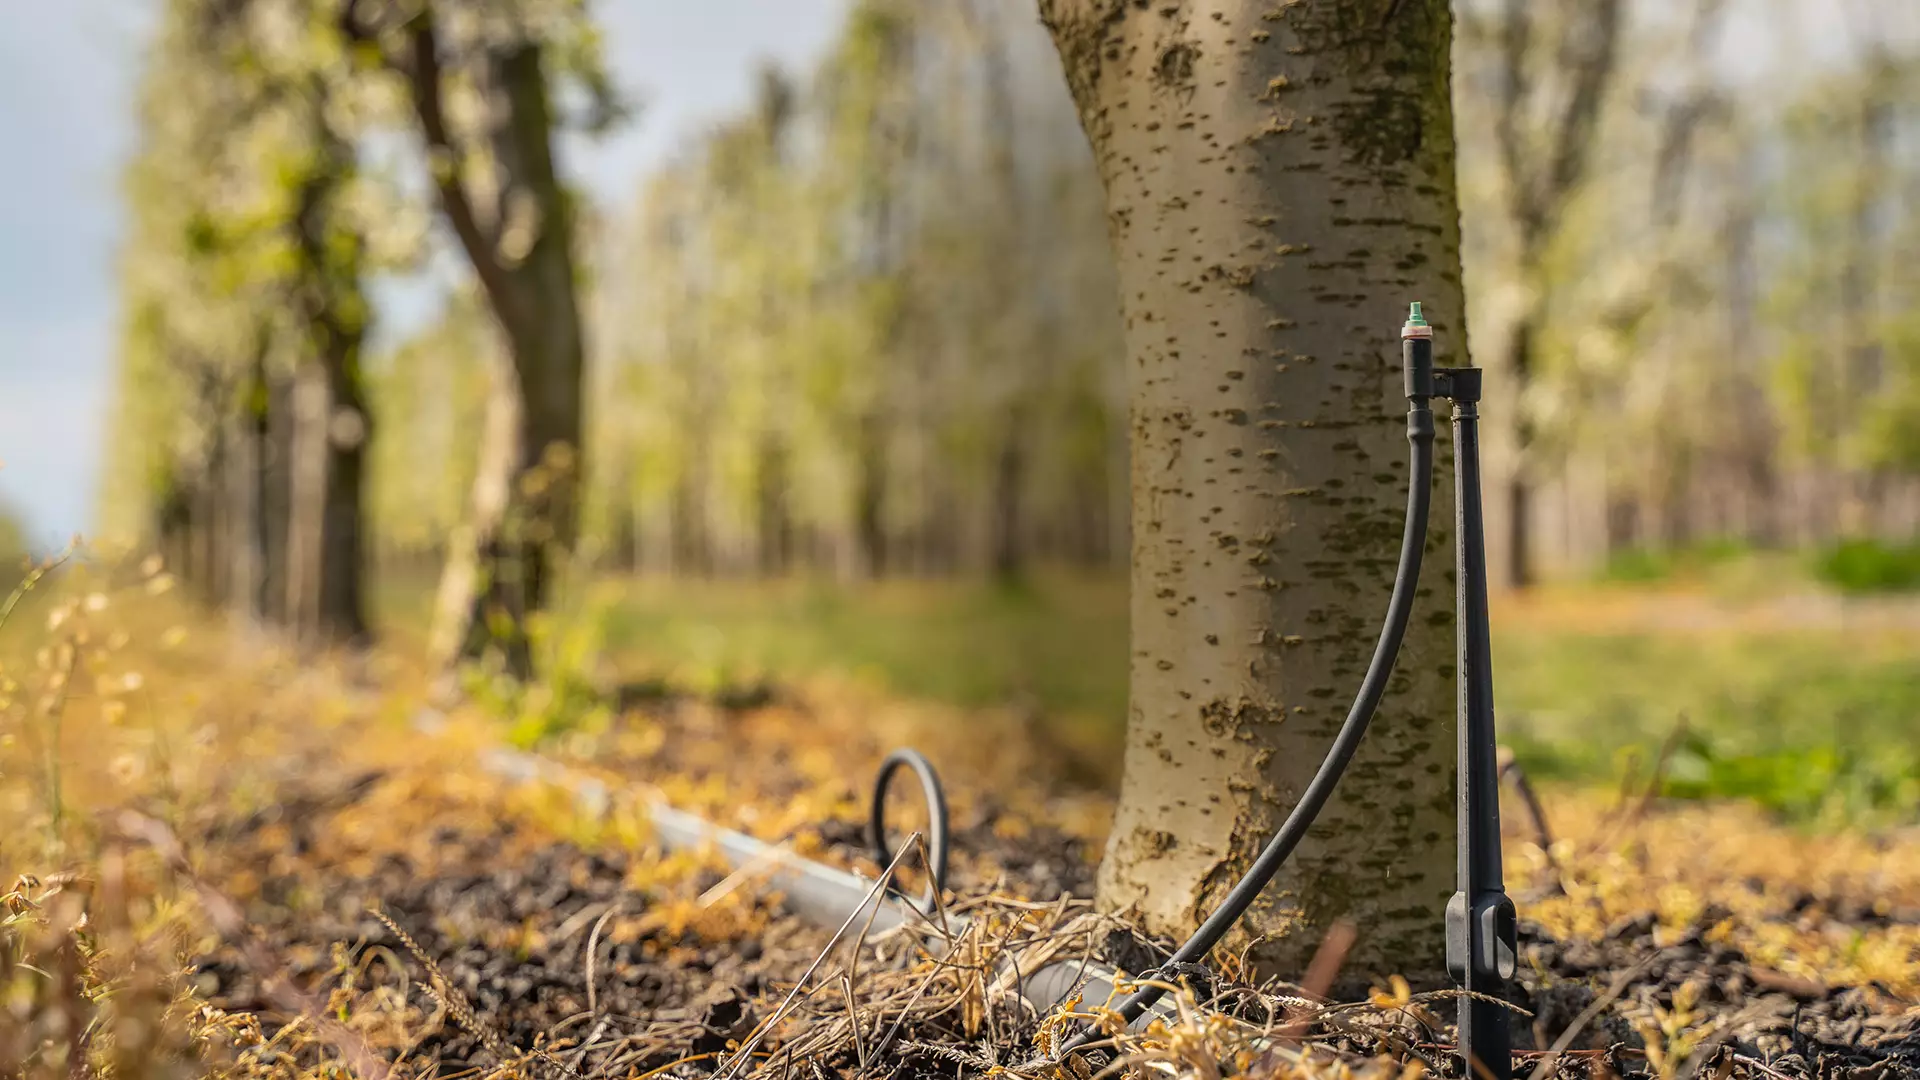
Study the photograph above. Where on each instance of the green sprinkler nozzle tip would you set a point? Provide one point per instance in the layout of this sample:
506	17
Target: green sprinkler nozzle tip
1414	318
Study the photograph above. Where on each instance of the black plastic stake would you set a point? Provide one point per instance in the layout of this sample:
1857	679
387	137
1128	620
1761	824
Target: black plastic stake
1480	917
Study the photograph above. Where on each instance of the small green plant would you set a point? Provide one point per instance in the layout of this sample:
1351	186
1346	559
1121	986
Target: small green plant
565	696
1813	724
1824	783
1868	566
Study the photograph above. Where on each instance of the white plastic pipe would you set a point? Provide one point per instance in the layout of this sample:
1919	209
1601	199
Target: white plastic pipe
820	893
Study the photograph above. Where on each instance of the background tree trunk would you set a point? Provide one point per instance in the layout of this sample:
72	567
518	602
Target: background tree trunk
773	522
869	499
1516	555
1279	183
249	480
333	424
1549	92
276	494
523	256
306	501
1007	544
462	607
342	614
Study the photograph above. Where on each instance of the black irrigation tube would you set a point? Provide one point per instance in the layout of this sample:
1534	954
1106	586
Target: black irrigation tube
1480	920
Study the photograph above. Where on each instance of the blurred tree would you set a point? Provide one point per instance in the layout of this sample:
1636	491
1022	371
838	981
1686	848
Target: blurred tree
500	192
243	419
1279	185
14	546
868	326
429	395
1842	305
1550	66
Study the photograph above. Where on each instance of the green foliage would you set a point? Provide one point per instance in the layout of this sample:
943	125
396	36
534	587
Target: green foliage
568	695
1865	566
1058	644
251	230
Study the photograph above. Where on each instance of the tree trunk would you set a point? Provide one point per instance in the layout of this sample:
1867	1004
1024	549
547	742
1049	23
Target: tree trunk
1009	477
341	618
525	264
774	525
326	603
1517	558
211	521
869	498
276	489
1280	182
173	524
623	530
248	479
1752	431
306	501
464	605
1862	364
688	547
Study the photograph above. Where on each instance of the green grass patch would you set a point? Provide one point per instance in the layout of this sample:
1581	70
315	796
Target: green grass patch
1869	566
1058	644
1812	724
1639	566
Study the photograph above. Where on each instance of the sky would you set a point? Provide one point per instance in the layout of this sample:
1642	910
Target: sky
67	74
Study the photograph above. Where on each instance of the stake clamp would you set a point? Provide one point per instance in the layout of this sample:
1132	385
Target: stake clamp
1495	961
1457	383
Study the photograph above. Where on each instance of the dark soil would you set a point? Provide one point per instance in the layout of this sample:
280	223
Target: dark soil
1798	1027
509	924
656	995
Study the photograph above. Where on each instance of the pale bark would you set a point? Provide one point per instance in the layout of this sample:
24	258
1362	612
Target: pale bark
306	487
461	610
1280	182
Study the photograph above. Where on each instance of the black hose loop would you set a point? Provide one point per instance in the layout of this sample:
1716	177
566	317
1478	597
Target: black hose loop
937	831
